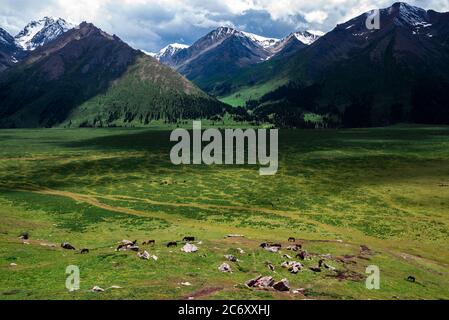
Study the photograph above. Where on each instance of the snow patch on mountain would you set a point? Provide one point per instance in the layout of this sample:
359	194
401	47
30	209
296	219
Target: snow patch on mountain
308	37
262	41
38	33
169	51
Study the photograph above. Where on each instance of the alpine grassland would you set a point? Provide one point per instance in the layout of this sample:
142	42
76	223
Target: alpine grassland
353	198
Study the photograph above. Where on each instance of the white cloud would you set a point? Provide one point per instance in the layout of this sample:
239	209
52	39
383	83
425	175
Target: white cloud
316	16
151	24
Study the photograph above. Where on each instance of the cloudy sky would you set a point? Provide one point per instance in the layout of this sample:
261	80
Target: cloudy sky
152	24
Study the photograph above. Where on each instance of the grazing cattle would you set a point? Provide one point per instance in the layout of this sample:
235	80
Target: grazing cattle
411	279
84	251
172	244
67	246
302	255
264	245
291	239
320	263
121	246
315	269
151	242
277	245
270	266
24	236
188	239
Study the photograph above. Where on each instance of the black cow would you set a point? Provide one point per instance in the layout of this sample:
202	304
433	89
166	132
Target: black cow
84	251
188	239
67	246
24	236
291	239
172	244
302	255
411	279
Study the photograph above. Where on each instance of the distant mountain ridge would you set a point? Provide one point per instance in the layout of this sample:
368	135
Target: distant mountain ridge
87	77
399	72
8	50
224	51
34	35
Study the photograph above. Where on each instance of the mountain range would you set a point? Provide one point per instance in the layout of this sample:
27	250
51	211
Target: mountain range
54	74
223	52
396	73
86	77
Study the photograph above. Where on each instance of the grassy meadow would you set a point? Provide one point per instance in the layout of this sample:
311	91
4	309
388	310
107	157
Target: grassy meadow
335	190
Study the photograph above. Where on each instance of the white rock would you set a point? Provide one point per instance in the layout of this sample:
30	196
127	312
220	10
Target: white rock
186	284
189	248
145	255
97	289
225	268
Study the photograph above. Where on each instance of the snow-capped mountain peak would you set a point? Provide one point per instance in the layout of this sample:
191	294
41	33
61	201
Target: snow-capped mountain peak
308	37
171	49
38	33
166	54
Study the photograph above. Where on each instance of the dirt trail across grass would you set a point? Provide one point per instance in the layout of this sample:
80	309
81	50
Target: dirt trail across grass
93	200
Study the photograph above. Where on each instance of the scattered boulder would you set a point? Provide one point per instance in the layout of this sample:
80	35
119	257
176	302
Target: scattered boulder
126	245
155	258
292	266
301	291
145	255
240	250
282	285
97	289
186	284
272	249
295	248
270	266
225	268
231	258
67	246
261	282
13	265
189	248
